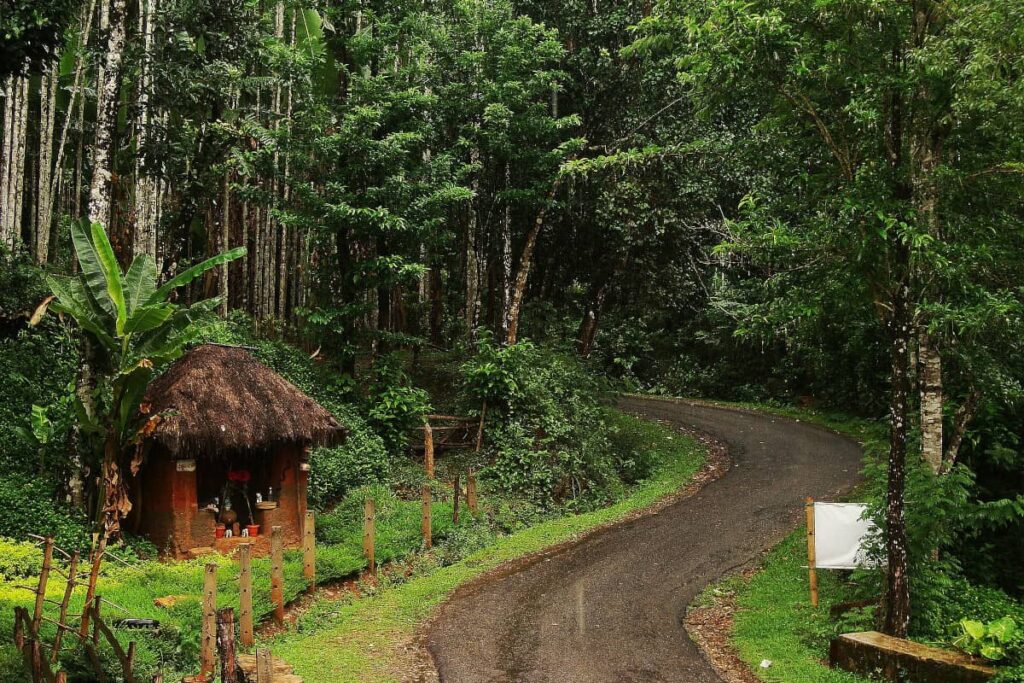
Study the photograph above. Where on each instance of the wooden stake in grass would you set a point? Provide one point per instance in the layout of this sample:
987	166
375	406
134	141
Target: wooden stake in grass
811	560
428	540
62	620
245	594
208	637
309	550
277	574
226	645
264	666
370	534
99	542
44	577
471	490
428	449
456	487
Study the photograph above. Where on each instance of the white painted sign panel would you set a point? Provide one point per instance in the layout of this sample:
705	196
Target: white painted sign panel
840	536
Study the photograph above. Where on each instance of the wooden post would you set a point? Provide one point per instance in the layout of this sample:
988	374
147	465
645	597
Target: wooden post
158	678
226	645
63	616
456	485
428	540
245	594
480	429
309	550
61	677
428	449
129	661
812	571
99	548
277	574
96	604
264	666
44	577
208	634
370	534
471	490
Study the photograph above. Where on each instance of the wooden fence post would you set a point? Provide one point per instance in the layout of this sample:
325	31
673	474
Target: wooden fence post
428	540
264	666
277	574
226	645
370	534
245	594
471	490
100	547
811	559
63	617
428	449
208	637
456	486
309	550
44	577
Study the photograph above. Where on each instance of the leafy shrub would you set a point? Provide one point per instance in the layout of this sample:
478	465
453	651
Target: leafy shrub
396	407
546	429
28	508
362	459
19	559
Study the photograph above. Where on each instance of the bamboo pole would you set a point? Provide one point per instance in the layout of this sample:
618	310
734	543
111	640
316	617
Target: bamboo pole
309	550
370	534
245	594
44	577
811	569
277	574
100	543
208	637
62	619
428	540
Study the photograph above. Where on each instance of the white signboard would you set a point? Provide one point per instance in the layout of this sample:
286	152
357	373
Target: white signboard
840	535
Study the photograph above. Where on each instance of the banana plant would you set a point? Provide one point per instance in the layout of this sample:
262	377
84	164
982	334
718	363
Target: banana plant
131	328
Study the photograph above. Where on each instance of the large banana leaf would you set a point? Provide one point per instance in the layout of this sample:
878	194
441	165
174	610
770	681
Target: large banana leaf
73	299
111	274
146	318
92	271
164	343
139	281
194	272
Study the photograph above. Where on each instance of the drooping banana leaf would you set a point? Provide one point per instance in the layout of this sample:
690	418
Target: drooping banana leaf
194	272
146	318
74	299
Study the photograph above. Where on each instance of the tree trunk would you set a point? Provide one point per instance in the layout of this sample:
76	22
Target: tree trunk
145	190
6	162
897	587
525	260
223	243
963	418
506	259
930	380
44	202
18	167
106	118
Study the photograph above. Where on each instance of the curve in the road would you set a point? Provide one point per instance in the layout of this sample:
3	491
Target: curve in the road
610	609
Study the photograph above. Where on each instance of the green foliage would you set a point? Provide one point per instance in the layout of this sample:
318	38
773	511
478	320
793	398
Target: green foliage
993	640
362	459
395	406
19	559
31	32
546	427
27	507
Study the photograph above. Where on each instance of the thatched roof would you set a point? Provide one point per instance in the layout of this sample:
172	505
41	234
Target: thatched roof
219	398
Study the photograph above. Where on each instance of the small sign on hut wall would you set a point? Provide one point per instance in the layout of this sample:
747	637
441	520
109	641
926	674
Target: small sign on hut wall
186	465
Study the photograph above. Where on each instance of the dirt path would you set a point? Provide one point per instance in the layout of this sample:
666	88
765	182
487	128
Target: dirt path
610	609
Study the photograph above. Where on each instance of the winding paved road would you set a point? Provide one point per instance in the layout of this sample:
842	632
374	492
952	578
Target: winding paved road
610	609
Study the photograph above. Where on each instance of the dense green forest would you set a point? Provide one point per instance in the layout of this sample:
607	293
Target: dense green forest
512	210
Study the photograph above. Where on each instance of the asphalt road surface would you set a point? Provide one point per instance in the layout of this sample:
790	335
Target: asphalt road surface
610	609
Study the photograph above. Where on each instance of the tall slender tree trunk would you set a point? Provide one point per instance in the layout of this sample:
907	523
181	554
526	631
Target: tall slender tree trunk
106	119
145	186
506	258
897	586
930	381
44	201
20	148
7	162
525	261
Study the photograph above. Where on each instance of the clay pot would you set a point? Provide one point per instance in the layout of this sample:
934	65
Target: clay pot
218	531
253	529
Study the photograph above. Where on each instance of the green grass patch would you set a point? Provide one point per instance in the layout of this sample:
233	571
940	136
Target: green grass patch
359	640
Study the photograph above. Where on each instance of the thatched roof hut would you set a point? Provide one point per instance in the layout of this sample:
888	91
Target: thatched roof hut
218	399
